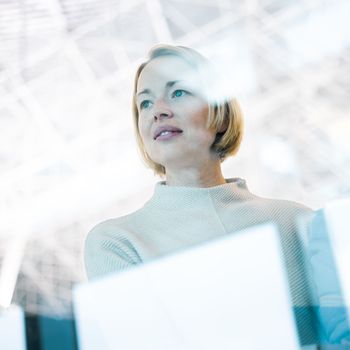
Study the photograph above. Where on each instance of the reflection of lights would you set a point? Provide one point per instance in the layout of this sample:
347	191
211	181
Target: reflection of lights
339	132
326	29
234	66
278	155
74	101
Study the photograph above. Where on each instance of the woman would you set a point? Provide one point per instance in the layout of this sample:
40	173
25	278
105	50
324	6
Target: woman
185	130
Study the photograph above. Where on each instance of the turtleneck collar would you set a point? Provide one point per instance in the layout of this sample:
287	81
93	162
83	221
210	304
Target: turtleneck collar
173	197
238	181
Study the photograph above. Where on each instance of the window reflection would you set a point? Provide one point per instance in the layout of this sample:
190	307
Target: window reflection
327	283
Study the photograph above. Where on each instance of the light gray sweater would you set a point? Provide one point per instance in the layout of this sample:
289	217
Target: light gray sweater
178	217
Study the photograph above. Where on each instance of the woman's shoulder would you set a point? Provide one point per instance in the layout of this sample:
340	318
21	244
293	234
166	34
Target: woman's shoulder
284	205
113	227
282	210
270	204
107	225
293	206
109	246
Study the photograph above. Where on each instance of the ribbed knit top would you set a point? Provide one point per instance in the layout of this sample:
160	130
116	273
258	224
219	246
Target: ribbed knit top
178	217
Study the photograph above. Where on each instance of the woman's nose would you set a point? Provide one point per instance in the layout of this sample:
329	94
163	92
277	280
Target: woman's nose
162	110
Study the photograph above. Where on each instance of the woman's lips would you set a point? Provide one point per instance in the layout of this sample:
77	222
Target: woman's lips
162	129
167	135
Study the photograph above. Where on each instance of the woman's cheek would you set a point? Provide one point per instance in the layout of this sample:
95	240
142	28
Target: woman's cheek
142	130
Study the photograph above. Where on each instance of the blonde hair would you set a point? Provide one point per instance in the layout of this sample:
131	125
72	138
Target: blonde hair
222	112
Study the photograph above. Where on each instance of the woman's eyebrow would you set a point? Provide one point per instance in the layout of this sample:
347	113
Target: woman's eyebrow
145	91
167	85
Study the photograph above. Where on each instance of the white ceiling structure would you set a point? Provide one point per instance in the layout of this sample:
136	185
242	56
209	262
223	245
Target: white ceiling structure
68	157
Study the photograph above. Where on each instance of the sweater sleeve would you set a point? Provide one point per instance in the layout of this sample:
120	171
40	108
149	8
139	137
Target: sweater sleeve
107	251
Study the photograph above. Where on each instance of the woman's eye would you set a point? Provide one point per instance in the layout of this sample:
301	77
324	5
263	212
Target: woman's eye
178	93
145	104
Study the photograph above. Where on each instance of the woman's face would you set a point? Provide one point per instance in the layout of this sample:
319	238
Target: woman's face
173	114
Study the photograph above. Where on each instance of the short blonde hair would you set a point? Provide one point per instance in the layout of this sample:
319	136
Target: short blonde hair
224	112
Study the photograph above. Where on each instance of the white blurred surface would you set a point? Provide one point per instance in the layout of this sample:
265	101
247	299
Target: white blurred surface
12	332
225	294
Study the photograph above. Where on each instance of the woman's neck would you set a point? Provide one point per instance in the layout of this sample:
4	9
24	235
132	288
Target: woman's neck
195	177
